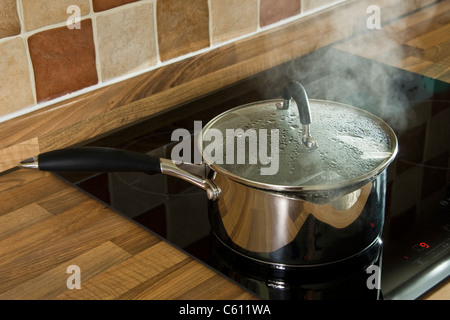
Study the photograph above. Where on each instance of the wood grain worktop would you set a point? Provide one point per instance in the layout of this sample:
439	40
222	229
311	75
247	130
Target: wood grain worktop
47	225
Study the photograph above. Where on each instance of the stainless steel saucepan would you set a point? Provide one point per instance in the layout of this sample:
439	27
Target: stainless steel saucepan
291	181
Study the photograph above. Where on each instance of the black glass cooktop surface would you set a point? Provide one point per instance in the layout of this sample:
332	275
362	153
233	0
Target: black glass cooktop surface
414	254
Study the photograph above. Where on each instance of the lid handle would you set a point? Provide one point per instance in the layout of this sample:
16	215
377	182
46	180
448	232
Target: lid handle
294	90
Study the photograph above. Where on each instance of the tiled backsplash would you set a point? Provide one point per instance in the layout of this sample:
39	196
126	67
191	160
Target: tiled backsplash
42	58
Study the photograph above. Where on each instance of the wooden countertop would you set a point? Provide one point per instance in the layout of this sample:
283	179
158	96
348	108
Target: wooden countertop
419	42
47	225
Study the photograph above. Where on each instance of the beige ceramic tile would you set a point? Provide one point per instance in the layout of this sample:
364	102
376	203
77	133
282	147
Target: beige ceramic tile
126	40
15	85
233	18
308	5
37	14
9	19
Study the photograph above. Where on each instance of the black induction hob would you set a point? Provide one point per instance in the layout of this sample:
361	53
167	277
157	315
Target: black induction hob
414	254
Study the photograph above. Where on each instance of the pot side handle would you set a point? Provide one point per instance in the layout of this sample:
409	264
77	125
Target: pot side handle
102	159
93	159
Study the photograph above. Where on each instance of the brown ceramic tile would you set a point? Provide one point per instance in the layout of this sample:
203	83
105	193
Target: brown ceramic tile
233	18
9	19
135	48
15	85
272	11
183	27
37	14
102	5
63	60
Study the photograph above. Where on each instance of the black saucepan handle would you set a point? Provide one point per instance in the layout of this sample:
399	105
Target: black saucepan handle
295	90
98	159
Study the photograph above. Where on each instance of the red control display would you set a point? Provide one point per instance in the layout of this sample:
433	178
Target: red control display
424	245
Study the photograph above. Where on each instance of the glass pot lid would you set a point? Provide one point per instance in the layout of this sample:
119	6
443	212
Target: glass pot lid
267	145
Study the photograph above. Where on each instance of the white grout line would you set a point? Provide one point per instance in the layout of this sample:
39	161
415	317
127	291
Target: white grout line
27	50
96	46
258	10
210	23
155	27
